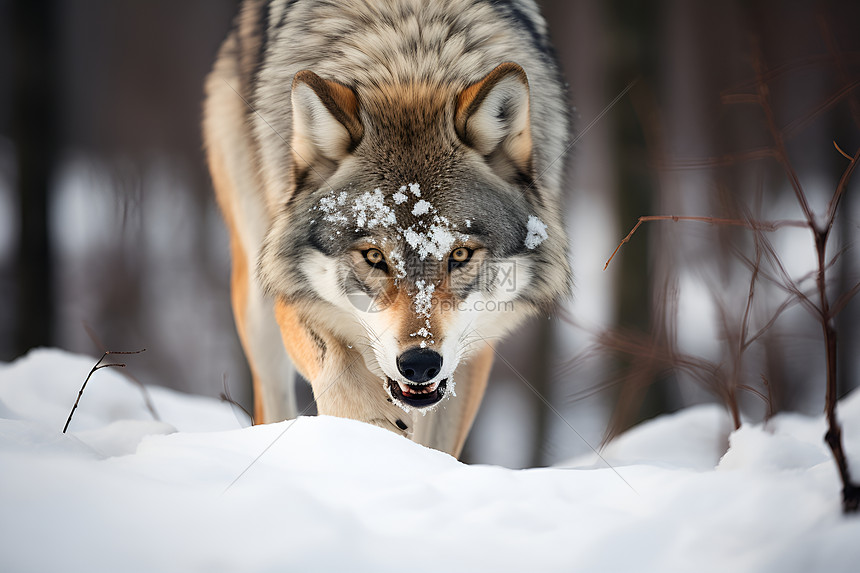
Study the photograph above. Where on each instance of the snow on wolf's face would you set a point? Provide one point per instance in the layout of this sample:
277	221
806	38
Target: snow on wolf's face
427	277
423	246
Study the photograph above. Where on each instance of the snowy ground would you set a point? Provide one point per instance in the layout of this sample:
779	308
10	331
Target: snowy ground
122	492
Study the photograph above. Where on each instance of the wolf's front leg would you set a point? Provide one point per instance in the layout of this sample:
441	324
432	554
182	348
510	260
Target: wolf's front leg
346	388
341	383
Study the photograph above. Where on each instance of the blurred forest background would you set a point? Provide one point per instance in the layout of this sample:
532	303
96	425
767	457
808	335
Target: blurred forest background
109	234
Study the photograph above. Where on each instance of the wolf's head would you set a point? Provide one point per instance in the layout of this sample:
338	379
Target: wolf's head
416	228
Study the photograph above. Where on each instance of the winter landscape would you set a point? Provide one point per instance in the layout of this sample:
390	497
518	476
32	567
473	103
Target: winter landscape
198	491
714	150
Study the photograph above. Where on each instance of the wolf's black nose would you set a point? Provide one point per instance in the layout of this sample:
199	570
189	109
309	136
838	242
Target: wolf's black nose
419	364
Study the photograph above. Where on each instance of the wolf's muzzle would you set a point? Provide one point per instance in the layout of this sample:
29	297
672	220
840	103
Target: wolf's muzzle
419	366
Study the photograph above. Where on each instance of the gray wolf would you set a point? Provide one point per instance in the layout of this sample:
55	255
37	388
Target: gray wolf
390	174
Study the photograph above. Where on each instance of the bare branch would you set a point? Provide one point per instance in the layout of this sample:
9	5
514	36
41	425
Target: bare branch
799	124
786	304
839	149
793	66
843	300
725	160
840	189
778	137
98	366
749	224
840	59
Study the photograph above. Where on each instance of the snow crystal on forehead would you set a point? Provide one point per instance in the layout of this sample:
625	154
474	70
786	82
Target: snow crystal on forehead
422	207
330	205
436	241
370	210
432	237
536	232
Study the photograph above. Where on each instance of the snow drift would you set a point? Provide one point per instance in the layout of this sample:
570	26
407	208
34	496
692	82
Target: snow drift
197	492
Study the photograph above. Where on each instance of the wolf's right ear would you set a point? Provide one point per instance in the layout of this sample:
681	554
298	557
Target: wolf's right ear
492	117
326	125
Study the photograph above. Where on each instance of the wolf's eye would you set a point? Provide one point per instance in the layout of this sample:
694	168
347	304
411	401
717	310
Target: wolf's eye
459	257
375	259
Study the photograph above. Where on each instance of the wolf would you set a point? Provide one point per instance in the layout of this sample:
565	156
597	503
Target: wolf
390	174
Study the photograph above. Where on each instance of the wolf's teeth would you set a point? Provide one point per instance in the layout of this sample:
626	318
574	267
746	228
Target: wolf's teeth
414	390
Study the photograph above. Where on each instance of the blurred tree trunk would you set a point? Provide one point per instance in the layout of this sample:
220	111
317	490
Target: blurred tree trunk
539	374
846	321
636	41
35	139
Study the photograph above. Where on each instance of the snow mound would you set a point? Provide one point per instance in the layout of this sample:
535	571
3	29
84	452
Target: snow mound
694	439
122	492
42	387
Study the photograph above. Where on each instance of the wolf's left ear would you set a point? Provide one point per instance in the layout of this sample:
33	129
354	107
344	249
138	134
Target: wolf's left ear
325	119
492	116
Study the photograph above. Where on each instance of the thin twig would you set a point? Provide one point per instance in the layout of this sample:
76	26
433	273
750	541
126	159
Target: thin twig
839	149
742	338
839	58
724	160
755	391
793	66
799	124
763	91
98	366
840	188
844	299
749	224
786	304
769	400
784	282
147	399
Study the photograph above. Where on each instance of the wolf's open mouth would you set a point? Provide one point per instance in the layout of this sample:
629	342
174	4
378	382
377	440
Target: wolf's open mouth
418	395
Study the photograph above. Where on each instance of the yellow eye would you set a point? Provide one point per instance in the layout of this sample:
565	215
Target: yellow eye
375	259
461	255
